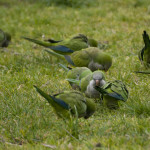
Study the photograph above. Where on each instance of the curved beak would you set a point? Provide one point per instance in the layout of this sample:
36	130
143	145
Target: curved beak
97	82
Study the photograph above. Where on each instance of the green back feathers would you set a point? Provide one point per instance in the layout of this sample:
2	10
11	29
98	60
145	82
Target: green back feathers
85	56
81	58
75	76
101	58
74	99
78	73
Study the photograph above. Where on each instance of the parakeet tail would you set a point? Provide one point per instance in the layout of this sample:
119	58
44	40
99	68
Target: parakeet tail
42	43
54	54
52	99
46	96
64	67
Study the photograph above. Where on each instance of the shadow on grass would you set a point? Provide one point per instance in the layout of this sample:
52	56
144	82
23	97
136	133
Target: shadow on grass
60	3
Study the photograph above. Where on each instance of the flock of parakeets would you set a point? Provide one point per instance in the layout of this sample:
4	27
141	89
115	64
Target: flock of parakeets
86	76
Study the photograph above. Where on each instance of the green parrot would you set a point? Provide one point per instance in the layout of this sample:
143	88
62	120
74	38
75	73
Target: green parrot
90	57
5	38
112	92
70	102
144	54
85	80
67	46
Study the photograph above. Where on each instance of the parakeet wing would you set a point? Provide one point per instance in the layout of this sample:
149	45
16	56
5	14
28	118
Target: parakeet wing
114	89
117	90
61	49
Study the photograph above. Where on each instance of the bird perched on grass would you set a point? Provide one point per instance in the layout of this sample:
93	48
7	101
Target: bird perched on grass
85	80
70	103
144	54
67	46
5	38
90	57
112	92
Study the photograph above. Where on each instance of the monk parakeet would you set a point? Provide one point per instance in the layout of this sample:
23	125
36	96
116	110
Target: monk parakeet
67	46
144	54
5	38
85	80
90	57
70	102
112	92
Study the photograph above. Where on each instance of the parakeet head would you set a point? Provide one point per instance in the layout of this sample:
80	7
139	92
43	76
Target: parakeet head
98	78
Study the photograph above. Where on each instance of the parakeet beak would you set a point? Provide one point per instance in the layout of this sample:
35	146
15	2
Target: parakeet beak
97	82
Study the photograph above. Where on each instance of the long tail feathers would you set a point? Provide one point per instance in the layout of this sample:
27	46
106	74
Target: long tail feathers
46	96
64	67
52	99
42	43
64	57
55	54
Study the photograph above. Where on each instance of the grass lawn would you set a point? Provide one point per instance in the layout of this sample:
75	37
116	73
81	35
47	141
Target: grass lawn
26	120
